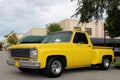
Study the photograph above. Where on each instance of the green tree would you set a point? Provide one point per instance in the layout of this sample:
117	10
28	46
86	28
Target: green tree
53	27
12	39
112	24
89	10
0	45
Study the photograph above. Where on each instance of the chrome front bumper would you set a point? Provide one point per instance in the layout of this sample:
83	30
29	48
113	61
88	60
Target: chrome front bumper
24	64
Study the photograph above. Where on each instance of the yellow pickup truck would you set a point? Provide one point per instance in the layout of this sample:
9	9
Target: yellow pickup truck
59	51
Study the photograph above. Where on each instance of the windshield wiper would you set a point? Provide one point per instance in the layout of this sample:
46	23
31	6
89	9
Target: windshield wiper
30	42
44	42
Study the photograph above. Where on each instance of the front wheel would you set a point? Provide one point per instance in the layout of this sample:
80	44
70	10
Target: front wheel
105	64
54	67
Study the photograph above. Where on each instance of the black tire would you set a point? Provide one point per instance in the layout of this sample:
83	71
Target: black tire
105	64
24	69
54	67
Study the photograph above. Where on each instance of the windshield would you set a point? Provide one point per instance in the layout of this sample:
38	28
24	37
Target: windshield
32	39
58	37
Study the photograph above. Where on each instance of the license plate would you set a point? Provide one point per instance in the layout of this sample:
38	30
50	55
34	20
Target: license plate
17	64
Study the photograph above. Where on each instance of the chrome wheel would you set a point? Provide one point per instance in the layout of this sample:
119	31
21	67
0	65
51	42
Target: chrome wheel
106	63
56	67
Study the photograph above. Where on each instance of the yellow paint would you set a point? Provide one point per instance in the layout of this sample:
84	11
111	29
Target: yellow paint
77	55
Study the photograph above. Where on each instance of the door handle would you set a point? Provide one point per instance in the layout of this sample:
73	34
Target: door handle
89	45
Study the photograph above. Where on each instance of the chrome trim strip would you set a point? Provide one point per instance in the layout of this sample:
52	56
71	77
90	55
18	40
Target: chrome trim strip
25	64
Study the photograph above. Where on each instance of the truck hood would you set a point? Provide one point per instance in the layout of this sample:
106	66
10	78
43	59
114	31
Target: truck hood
40	46
24	46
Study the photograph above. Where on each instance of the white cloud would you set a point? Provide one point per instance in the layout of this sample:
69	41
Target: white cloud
1	39
59	12
21	15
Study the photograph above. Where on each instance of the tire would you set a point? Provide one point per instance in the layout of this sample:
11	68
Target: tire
54	68
24	69
105	64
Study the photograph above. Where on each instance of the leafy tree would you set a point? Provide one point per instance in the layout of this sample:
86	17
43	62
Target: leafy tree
112	24
0	45
53	27
88	10
12	39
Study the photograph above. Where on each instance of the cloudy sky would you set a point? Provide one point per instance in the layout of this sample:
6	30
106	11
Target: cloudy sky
22	15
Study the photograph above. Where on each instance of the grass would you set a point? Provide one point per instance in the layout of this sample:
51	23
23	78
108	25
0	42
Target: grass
116	63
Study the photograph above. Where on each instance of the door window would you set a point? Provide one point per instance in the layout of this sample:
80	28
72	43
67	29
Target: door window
80	38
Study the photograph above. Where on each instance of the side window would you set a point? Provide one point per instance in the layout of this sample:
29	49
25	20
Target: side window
80	38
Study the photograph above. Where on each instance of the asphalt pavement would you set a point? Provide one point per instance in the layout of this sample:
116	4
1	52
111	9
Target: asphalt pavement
12	73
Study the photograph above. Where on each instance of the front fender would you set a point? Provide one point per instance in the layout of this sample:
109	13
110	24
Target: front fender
43	55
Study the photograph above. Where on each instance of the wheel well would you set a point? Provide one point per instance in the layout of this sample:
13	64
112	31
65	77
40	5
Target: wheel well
60	57
109	57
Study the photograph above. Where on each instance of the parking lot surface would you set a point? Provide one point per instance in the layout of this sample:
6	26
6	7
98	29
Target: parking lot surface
12	73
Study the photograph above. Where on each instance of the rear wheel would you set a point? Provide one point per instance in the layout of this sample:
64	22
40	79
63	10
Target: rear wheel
105	64
54	67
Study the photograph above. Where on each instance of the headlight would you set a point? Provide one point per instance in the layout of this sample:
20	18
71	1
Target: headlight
33	54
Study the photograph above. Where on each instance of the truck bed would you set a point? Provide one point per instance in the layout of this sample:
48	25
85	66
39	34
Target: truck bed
102	47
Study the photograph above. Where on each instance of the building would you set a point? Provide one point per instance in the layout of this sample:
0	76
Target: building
6	44
94	29
19	35
36	31
33	31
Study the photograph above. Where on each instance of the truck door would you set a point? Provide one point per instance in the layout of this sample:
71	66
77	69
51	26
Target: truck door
82	50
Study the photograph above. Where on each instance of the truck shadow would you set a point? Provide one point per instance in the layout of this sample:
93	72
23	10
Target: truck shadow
83	69
40	74
31	74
